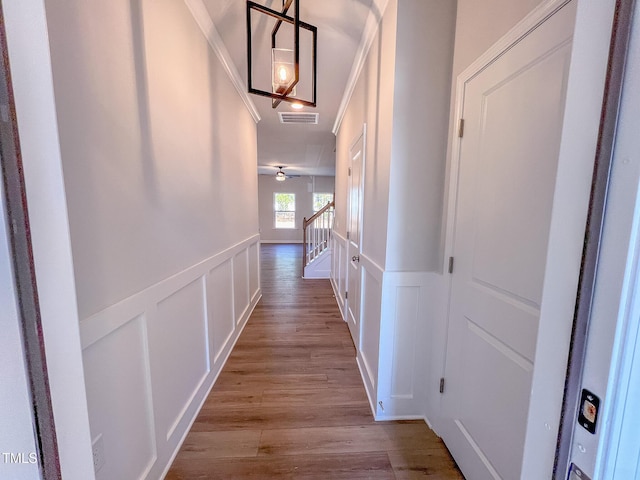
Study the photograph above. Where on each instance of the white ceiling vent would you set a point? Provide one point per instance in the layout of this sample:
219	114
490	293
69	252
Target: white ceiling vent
299	118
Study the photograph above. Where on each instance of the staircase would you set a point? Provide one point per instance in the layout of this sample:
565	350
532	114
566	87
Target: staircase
316	236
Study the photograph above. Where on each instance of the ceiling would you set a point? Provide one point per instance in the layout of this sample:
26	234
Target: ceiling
301	149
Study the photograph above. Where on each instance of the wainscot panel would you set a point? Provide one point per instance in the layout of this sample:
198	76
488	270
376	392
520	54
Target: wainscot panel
151	359
220	302
254	270
338	280
178	351
405	345
120	401
371	288
241	284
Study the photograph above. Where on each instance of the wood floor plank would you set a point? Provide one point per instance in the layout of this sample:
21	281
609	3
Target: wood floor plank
240	379
430	465
233	397
362	466
410	436
229	444
281	416
290	403
318	396
338	439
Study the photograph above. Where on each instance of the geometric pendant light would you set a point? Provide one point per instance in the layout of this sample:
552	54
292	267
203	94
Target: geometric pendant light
284	62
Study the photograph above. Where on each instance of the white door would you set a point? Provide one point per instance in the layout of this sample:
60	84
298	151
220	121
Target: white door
513	112
354	228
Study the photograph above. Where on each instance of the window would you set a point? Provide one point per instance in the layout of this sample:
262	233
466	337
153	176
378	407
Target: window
320	200
284	206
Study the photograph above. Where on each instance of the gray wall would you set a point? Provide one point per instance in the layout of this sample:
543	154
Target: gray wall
147	145
424	54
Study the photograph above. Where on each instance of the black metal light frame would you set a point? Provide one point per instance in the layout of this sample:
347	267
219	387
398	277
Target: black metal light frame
297	24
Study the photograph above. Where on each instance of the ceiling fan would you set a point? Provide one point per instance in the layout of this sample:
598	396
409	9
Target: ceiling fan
281	176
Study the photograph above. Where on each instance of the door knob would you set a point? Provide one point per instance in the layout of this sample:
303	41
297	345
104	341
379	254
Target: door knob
355	258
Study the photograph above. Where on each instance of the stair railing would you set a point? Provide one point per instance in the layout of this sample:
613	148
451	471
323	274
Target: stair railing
316	233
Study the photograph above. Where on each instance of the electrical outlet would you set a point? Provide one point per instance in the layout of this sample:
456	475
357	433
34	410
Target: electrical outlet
98	453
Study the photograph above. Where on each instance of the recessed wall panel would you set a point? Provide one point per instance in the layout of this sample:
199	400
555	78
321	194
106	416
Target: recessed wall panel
240	284
406	321
179	354
119	400
220	307
254	270
370	323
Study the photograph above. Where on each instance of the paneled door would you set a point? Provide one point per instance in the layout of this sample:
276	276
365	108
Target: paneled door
513	113
354	232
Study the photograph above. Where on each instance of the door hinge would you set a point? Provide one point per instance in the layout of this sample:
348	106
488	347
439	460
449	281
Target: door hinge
450	264
349	171
461	128
442	385
346	295
348	235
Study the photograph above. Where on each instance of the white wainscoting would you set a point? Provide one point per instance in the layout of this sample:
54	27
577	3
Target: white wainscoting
404	345
151	359
403	315
338	269
370	319
400	312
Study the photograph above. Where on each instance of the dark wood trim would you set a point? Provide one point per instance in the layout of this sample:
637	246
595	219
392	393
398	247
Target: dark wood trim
595	221
306	223
24	275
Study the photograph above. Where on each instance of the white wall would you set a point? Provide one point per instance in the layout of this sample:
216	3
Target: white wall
165	247
147	145
407	334
420	113
479	24
371	103
402	95
303	187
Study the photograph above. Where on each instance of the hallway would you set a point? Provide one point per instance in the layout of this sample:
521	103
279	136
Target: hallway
290	403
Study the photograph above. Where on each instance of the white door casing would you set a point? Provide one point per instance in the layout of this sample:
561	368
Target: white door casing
354	229
513	116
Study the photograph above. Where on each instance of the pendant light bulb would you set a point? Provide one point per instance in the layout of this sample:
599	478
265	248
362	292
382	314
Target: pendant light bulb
283	74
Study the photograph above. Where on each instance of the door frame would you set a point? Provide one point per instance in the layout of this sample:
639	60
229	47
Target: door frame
19	236
29	57
362	134
579	139
595	226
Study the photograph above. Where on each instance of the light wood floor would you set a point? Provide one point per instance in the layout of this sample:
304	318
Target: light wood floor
290	404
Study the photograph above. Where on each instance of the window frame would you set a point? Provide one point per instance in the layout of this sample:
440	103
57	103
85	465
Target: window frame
276	211
313	200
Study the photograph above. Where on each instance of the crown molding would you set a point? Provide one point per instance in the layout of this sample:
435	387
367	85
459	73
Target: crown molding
203	19
370	29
